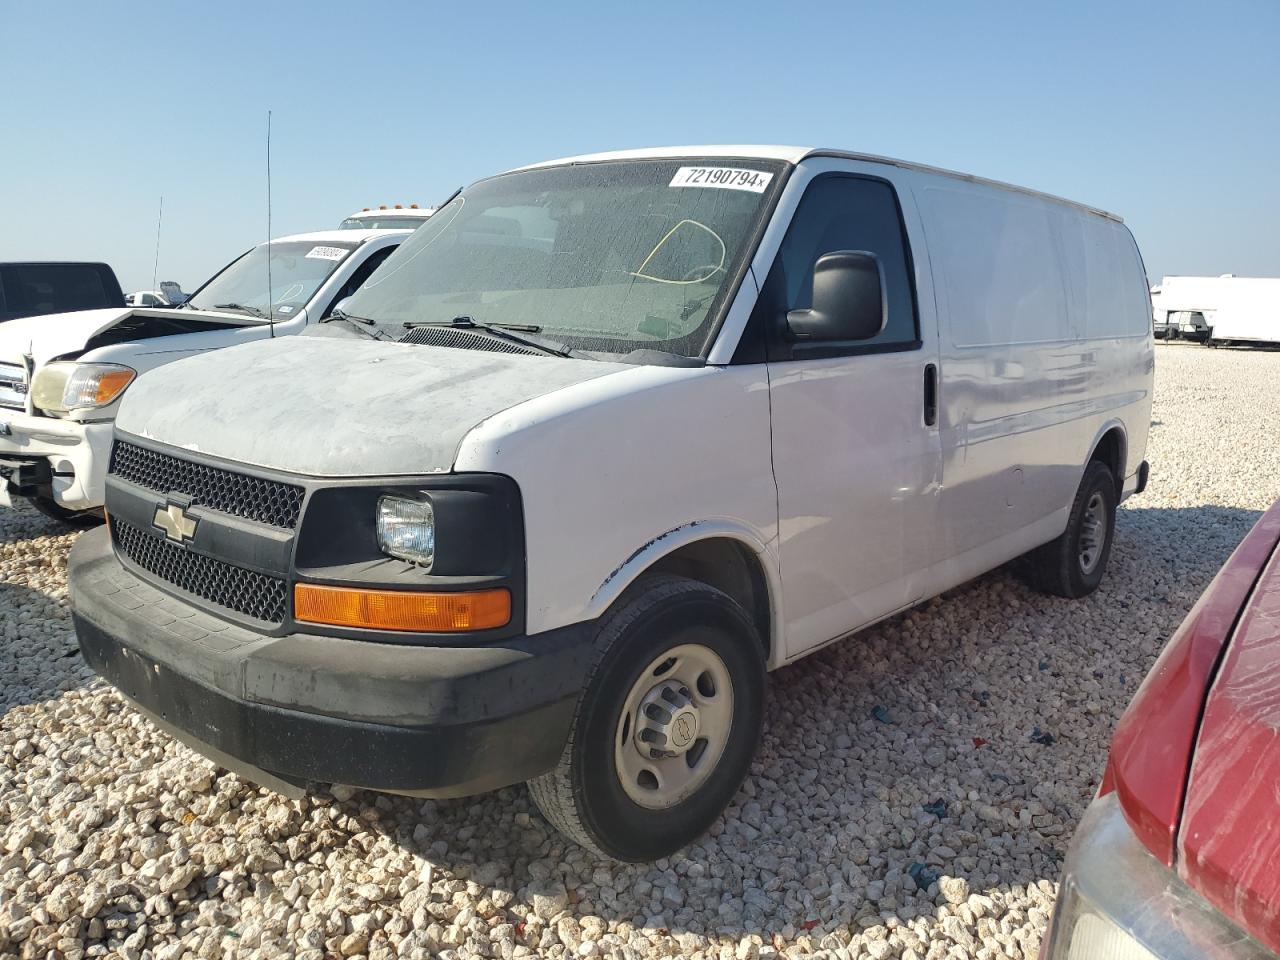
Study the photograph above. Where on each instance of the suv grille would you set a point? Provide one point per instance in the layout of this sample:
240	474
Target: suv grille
13	386
253	498
252	594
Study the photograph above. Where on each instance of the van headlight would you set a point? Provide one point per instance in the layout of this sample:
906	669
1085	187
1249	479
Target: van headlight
407	529
60	388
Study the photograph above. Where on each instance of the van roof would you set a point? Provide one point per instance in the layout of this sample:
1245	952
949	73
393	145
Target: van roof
796	154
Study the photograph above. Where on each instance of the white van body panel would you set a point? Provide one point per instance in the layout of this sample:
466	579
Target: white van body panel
873	513
1044	340
1033	311
620	470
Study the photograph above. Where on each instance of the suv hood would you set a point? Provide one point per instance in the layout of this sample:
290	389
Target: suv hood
56	334
337	407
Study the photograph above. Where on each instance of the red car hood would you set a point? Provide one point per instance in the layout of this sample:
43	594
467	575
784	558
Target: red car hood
1229	839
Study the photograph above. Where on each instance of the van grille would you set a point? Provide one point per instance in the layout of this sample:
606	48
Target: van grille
253	498
235	588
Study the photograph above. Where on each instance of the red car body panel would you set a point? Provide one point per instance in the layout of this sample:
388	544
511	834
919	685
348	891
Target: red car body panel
1151	752
1229	840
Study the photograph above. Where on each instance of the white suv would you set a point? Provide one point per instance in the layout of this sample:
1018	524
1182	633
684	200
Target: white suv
62	375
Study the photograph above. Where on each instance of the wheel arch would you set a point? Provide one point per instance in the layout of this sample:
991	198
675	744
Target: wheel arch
1111	446
720	553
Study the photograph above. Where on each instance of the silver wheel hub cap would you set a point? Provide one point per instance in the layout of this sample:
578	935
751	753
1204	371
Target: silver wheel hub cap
673	726
1093	533
667	725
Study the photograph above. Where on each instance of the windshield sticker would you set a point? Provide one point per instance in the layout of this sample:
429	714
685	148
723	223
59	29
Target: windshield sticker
285	309
327	253
725	178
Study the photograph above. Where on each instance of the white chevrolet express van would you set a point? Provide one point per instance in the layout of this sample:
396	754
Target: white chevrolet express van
62	376
602	443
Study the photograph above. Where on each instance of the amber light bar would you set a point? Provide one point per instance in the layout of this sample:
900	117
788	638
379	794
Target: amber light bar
401	609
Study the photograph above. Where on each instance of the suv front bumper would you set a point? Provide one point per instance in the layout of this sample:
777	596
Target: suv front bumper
304	709
77	454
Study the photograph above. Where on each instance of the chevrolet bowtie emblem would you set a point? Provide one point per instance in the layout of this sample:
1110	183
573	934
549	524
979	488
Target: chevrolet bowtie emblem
175	523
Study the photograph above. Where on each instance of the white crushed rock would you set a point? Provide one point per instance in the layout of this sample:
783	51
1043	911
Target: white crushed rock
116	840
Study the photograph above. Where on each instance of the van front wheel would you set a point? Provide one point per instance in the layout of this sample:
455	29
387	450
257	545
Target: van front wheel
1073	565
666	727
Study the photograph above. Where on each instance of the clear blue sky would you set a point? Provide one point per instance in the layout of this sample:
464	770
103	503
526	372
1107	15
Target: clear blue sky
1168	114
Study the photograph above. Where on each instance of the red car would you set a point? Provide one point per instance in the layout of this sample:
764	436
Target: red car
1179	854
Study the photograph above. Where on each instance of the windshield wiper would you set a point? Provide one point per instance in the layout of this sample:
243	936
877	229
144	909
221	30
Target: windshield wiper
252	311
358	324
503	331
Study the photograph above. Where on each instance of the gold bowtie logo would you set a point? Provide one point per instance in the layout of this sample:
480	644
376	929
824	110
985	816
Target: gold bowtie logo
175	523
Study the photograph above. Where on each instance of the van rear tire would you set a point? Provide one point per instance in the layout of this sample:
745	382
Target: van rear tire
1073	565
679	665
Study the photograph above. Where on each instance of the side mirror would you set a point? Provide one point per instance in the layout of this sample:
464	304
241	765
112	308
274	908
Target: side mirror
848	299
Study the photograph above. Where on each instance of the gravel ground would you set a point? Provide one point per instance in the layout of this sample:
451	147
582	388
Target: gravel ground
914	795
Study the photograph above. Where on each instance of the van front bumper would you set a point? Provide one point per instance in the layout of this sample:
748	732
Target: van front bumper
301	710
76	454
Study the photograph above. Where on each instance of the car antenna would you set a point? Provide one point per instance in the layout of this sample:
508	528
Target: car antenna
271	324
155	269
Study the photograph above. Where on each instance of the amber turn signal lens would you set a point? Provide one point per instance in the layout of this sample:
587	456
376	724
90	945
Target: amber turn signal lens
401	609
110	384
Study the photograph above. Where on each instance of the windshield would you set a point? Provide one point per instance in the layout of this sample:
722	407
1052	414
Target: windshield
382	223
298	268
609	257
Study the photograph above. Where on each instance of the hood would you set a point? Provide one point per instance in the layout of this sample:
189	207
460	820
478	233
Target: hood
339	407
56	334
1230	834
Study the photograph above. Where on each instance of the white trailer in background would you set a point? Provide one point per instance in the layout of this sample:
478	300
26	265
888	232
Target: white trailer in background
1219	309
1250	312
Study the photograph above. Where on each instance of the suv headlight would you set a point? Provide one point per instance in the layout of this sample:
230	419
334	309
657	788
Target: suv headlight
61	388
407	529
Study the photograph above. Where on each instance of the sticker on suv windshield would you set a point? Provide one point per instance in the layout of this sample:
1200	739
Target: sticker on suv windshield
327	253
726	178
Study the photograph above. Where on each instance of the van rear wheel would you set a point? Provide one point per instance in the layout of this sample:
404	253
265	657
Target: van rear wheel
1073	565
666	726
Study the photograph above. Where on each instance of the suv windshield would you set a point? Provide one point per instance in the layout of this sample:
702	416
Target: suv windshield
609	257
297	270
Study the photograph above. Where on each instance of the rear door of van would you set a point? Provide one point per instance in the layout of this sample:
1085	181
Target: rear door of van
856	452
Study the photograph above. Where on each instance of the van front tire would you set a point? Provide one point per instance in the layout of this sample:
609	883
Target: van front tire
666	726
1073	565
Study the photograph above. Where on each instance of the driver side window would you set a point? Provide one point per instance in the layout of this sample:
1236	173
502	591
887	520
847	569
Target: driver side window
842	212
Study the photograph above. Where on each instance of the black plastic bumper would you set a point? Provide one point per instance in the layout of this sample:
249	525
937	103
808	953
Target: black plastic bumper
303	708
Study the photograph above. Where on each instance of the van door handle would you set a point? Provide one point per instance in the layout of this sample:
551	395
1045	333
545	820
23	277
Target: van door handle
930	394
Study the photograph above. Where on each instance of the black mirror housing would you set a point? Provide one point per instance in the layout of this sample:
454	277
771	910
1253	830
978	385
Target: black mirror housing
848	299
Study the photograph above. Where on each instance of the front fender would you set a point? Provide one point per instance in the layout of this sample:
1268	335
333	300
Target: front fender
720	528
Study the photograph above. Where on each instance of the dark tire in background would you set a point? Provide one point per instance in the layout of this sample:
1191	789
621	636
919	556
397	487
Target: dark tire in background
1073	565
